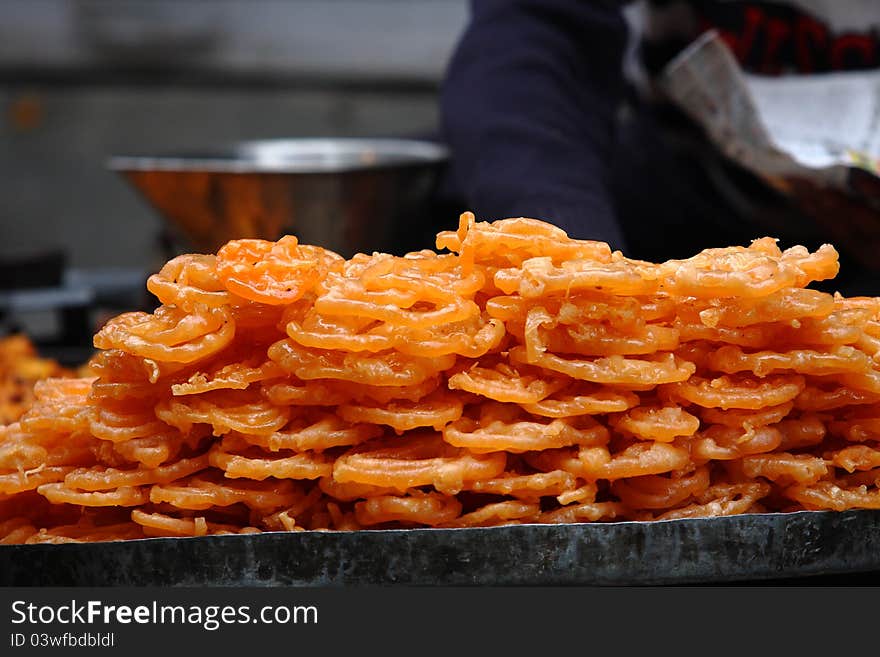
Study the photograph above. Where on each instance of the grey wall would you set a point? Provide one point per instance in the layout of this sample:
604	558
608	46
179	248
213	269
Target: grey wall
388	39
57	192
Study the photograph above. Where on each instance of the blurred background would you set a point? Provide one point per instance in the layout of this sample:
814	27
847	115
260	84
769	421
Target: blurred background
82	80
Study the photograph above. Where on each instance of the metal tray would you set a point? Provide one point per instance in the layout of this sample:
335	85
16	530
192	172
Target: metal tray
755	547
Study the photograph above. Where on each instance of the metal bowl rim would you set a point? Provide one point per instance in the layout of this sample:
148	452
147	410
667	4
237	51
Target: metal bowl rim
244	157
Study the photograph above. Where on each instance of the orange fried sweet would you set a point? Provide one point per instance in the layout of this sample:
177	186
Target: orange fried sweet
272	273
522	377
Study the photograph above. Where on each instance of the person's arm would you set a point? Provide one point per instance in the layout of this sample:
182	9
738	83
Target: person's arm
528	109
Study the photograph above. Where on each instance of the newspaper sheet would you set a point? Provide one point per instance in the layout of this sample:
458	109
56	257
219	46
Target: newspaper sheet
821	128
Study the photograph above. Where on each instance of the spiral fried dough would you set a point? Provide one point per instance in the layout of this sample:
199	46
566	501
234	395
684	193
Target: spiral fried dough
170	334
524	377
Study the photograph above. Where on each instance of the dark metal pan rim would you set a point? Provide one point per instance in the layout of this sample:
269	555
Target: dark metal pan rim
745	548
644	525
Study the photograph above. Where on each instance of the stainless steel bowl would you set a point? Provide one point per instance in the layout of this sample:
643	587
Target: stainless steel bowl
347	195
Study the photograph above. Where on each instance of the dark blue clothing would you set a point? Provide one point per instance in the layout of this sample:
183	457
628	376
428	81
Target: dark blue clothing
529	108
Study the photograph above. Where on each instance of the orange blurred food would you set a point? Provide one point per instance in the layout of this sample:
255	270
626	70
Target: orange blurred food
20	368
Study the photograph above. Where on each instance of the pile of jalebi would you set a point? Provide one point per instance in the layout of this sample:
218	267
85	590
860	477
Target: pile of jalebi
525	377
20	368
